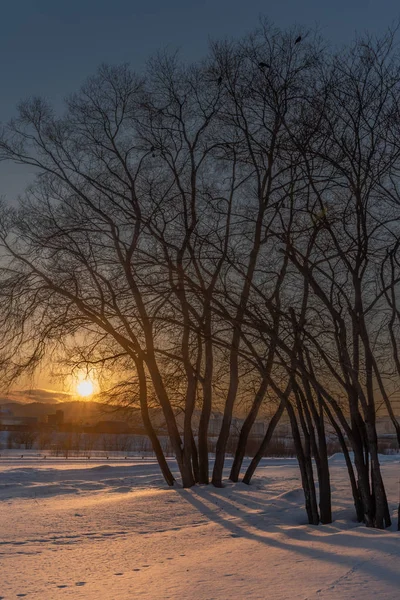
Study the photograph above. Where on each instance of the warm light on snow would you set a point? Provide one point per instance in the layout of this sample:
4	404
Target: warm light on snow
118	532
85	388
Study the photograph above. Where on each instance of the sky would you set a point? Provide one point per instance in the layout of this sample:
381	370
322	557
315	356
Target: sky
49	47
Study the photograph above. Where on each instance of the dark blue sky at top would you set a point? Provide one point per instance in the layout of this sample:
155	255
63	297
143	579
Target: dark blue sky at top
49	47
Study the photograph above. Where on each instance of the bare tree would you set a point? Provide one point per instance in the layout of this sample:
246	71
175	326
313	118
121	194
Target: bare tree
221	234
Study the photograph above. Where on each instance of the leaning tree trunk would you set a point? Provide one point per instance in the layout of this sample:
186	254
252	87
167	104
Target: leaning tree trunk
155	443
320	453
185	466
245	431
264	444
304	465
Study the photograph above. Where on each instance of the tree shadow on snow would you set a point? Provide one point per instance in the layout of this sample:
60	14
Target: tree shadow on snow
285	528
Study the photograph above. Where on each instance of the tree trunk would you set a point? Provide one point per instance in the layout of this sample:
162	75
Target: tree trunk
188	462
155	443
363	486
222	440
325	497
195	460
359	445
206	408
185	466
264	444
321	450
382	518
354	488
245	431
304	465
234	351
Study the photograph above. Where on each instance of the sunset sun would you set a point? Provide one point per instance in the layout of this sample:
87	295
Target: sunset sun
85	388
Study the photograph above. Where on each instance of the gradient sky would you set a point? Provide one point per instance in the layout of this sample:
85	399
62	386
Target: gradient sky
48	47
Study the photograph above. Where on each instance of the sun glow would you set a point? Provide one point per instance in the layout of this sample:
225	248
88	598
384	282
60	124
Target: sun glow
85	388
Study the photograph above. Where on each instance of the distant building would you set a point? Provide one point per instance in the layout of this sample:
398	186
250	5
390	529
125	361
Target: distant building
10	419
385	427
8	422
5	413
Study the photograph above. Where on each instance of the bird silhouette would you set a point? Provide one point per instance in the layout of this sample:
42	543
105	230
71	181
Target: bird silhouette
219	80
298	40
263	65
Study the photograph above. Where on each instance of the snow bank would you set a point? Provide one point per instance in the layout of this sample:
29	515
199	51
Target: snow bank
338	458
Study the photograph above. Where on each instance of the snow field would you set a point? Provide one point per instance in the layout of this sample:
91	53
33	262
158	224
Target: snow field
75	529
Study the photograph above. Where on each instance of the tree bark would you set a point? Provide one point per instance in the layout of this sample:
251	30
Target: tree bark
195	461
234	351
207	404
304	465
245	431
264	444
185	466
155	443
354	488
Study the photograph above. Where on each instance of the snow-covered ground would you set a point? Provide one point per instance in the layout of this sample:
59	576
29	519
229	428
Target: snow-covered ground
81	529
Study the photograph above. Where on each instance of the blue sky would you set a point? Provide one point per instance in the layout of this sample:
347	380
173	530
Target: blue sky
48	47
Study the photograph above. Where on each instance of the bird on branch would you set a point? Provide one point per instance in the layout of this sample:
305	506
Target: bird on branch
297	40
